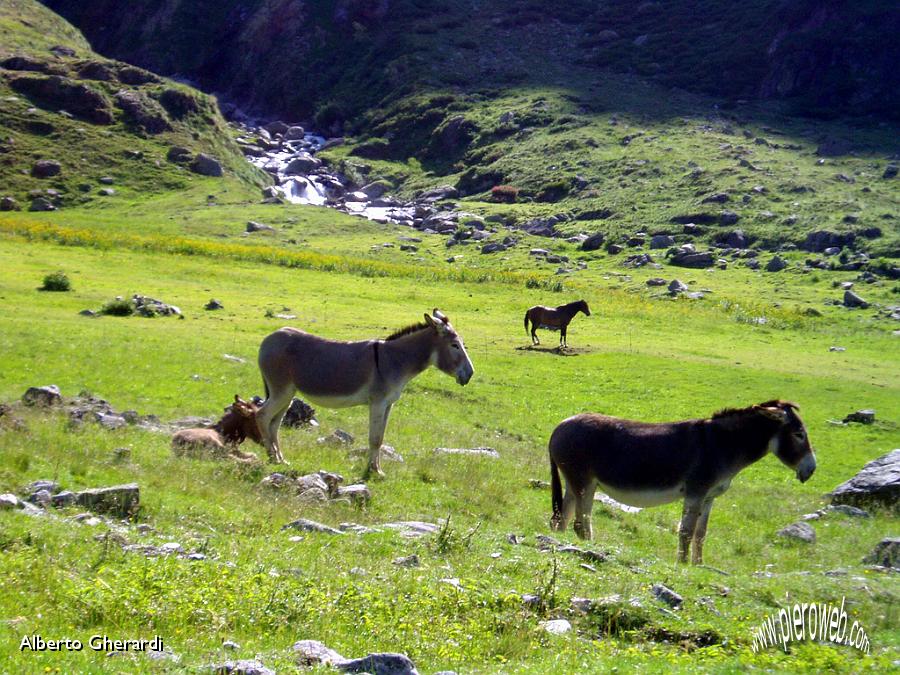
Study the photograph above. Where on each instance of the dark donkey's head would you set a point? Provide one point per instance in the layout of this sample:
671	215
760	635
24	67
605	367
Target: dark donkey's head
790	442
239	422
582	306
450	352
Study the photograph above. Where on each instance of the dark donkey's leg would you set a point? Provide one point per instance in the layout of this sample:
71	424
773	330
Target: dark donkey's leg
378	418
584	504
700	532
689	516
562	334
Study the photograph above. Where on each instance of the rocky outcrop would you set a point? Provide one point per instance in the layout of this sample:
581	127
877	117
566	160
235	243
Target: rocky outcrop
878	482
60	93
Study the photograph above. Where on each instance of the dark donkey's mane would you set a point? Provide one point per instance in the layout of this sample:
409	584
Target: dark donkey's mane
734	412
406	330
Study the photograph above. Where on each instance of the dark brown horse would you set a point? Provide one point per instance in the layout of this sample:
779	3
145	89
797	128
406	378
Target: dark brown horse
554	319
645	464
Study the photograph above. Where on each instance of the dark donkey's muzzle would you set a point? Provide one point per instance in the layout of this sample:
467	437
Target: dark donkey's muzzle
806	467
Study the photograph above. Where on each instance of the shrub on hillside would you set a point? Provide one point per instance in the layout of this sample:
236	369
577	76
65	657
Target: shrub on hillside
118	307
506	194
553	192
56	281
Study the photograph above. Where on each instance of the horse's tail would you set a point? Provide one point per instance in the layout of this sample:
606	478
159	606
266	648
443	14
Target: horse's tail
526	321
556	490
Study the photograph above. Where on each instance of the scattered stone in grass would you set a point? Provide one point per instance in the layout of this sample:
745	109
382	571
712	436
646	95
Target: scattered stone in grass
356	528
861	416
358	494
243	667
878	482
233	358
380	664
589	568
545	542
121	501
387	452
482	451
9	501
799	531
530	600
337	437
42	397
305	525
556	626
206	165
213	304
837	349
310	653
515	539
776	264
848	510
656	281
539	484
851	299
253	226
413	528
676	286
452	582
885	554
667	595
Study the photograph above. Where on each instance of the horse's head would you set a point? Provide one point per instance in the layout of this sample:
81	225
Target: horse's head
239	422
790	443
583	307
451	356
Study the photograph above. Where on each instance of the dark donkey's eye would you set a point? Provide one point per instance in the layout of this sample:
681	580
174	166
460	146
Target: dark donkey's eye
454	345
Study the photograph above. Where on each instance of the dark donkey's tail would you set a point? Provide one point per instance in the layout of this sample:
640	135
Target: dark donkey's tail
526	322
556	489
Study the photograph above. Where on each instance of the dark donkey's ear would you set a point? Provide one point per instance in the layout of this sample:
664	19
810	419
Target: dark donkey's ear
773	412
438	314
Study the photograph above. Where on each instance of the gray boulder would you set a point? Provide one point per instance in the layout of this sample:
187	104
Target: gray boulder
243	667
799	531
42	396
305	525
379	664
667	595
878	482
253	226
851	299
728	218
310	653
294	133
206	165
121	501
302	164
438	193
776	264
9	204
41	204
676	286
693	260
593	242
46	168
179	154
661	241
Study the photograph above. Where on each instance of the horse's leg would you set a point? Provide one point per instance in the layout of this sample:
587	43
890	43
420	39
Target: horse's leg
269	417
700	532
562	335
583	507
378	418
534	337
689	516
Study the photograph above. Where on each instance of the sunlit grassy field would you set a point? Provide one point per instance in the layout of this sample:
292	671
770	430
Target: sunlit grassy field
638	356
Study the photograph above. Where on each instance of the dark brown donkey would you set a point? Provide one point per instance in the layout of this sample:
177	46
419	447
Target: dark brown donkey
554	319
336	374
644	464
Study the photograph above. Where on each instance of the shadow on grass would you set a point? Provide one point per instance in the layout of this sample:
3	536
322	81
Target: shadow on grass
557	351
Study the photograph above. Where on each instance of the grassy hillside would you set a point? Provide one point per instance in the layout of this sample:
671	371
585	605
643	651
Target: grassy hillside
264	590
97	118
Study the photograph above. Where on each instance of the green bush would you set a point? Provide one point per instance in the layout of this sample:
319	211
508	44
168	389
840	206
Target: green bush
118	307
56	281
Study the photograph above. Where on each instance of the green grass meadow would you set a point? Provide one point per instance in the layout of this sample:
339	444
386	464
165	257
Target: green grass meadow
638	356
